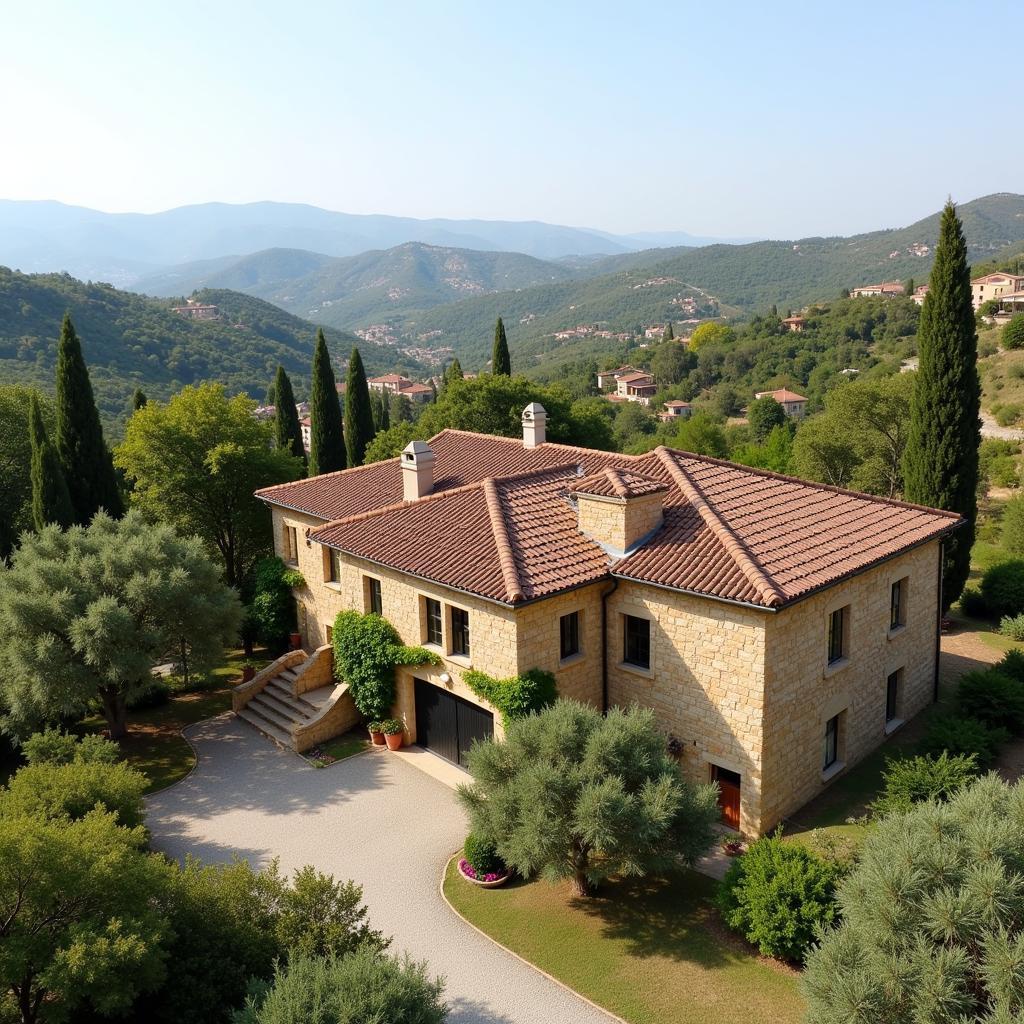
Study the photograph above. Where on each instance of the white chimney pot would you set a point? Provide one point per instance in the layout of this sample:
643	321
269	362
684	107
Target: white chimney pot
417	470
534	425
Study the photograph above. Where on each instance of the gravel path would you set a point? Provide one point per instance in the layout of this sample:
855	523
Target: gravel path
372	818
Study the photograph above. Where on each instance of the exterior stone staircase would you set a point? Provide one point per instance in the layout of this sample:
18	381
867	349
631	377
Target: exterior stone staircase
296	702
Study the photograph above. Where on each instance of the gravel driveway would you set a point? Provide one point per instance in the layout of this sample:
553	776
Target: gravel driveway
371	818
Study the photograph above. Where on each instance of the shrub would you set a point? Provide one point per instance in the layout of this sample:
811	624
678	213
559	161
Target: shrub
913	780
391	726
972	604
516	697
956	735
55	747
1012	532
1012	665
362	988
1012	627
1013	332
1008	414
992	698
271	605
154	694
482	855
1003	471
367	648
777	894
1002	587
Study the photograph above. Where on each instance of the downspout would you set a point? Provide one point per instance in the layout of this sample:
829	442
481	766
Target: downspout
604	645
938	622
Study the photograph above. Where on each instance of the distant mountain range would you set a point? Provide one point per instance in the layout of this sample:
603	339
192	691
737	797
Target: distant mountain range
44	236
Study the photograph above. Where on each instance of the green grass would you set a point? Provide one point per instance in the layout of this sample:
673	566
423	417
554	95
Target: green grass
653	952
352	742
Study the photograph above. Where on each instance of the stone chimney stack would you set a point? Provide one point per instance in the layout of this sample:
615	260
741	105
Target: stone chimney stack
417	470
618	508
534	425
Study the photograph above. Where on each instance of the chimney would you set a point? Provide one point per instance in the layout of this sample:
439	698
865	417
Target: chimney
417	470
534	425
619	509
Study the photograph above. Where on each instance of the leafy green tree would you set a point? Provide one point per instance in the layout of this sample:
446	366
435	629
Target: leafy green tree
818	454
16	461
326	440
389	443
51	502
362	987
55	747
1013	333
501	361
764	414
399	409
701	434
670	363
631	421
711	333
86	613
775	454
287	431
358	413
931	918
81	928
573	794
84	456
908	288
940	463
271	604
453	371
379	405
196	462
139	399
1013	527
668	334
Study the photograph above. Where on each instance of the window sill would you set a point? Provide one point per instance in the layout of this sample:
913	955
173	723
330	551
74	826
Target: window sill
292	563
896	631
570	660
332	585
436	648
836	666
637	670
832	771
892	725
461	660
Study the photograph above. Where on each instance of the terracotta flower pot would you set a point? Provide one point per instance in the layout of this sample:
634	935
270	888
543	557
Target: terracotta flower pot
248	672
492	883
296	640
394	740
377	738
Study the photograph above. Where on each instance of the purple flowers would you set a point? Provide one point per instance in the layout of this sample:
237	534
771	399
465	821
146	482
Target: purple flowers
319	757
470	872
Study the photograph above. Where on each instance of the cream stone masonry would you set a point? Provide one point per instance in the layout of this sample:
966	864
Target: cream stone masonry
619	523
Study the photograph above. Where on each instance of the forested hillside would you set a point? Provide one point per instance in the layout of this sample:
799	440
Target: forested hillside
132	341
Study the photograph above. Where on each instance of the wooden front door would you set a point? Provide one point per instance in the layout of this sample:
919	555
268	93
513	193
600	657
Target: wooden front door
728	795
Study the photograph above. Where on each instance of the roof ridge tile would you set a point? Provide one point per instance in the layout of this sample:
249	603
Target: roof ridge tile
506	559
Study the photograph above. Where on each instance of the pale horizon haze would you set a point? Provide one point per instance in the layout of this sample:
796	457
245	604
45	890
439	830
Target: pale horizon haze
746	119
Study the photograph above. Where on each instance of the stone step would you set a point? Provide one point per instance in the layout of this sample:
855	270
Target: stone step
279	688
292	709
266	710
279	735
288	673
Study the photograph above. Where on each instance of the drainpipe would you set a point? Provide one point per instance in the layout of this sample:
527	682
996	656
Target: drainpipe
604	645
938	622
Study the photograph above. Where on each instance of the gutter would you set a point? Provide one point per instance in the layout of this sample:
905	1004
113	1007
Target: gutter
604	644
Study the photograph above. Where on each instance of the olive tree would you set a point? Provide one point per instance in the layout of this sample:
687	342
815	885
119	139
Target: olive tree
571	793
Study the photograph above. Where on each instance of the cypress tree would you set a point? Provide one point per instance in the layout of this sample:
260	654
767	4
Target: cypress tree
358	414
287	432
669	334
501	361
379	407
51	502
84	457
139	399
326	441
940	462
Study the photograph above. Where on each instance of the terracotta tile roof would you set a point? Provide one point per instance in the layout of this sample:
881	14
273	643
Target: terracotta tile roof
389	378
781	395
500	522
632	378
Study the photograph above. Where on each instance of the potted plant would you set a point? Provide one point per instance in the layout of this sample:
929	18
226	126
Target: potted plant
480	863
248	671
295	639
393	730
376	733
732	845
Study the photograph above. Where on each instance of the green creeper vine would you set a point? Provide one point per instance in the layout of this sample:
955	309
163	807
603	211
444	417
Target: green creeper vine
516	697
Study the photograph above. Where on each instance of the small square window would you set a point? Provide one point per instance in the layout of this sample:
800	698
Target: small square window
837	634
569	635
637	641
374	599
897	604
291	544
831	742
433	617
892	695
334	565
460	632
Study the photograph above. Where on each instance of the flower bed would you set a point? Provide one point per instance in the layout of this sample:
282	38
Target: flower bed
491	880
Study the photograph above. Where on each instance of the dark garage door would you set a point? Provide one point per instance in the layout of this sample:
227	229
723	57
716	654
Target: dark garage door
447	724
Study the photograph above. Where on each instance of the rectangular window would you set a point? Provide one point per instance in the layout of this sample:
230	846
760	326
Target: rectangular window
831	742
291	544
569	635
637	636
374	600
836	636
897	600
433	610
892	695
460	632
334	562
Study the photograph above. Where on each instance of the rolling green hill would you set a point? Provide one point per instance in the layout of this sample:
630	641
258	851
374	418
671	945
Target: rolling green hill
132	341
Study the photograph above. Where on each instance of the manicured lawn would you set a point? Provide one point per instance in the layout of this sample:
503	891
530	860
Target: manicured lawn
353	742
653	952
154	744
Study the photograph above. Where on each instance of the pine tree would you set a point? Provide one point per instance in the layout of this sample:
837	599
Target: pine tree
139	399
669	334
501	362
51	502
84	457
326	440
940	463
358	414
453	372
287	432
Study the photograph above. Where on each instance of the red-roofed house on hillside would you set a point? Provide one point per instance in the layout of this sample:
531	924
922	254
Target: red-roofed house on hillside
396	384
793	404
780	629
607	378
676	409
636	387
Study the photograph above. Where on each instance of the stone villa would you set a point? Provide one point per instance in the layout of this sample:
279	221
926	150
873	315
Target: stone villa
779	629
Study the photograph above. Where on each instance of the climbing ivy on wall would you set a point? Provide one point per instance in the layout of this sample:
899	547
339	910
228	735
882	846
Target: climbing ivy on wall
516	697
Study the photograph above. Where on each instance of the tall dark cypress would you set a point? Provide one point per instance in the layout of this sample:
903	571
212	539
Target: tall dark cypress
326	441
669	334
940	463
84	457
287	432
501	361
51	502
358	414
139	399
379	406
453	371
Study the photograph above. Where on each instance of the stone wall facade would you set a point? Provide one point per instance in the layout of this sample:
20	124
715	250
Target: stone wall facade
618	523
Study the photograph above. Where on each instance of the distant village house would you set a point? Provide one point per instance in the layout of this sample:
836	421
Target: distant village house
793	405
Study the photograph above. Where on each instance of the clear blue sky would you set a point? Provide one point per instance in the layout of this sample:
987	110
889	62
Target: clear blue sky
776	120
